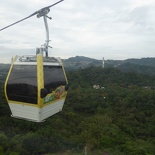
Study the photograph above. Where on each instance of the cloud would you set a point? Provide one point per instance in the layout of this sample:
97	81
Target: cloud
117	29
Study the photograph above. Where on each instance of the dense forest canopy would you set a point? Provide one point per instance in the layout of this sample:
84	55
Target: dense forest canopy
115	118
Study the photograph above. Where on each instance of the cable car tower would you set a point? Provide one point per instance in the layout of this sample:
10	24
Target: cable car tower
36	86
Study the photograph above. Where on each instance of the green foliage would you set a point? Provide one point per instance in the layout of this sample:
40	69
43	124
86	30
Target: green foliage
117	119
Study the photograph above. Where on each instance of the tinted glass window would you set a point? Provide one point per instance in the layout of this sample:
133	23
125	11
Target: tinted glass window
22	84
53	77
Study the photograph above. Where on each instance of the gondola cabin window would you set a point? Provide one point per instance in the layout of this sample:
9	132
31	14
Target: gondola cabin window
22	84
54	82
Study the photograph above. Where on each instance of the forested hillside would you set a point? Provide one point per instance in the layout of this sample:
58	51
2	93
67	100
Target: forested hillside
107	112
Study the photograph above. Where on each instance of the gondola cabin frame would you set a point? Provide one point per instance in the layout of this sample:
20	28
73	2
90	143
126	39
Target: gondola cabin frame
47	82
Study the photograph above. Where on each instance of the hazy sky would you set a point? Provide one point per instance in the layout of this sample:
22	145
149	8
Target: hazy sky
114	29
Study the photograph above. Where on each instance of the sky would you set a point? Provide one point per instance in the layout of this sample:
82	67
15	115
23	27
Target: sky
113	29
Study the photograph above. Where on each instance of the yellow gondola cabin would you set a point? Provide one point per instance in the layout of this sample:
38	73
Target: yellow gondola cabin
36	87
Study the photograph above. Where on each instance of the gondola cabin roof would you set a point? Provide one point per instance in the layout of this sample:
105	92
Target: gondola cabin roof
33	58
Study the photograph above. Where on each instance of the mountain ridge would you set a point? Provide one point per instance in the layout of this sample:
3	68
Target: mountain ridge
139	65
83	62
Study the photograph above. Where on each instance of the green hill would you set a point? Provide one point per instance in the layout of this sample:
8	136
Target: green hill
116	118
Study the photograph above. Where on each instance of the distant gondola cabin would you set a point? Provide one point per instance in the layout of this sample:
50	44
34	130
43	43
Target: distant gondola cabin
36	87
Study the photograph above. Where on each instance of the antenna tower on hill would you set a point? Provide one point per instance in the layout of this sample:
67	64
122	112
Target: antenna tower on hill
103	63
